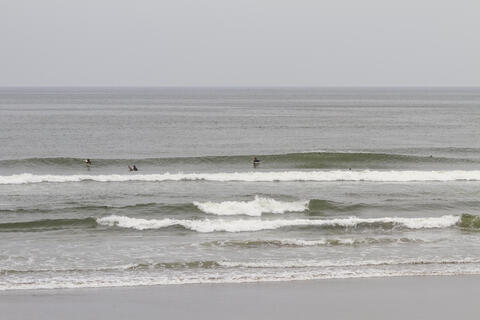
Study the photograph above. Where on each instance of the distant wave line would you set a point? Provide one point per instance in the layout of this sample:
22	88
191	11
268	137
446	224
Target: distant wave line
257	176
318	159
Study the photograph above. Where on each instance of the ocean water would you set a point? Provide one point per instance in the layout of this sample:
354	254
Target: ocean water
353	182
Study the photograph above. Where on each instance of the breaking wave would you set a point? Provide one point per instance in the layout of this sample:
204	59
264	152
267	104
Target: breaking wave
253	208
220	225
257	176
465	221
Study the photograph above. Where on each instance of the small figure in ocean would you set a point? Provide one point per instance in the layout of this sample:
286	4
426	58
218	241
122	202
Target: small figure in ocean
87	162
256	162
132	168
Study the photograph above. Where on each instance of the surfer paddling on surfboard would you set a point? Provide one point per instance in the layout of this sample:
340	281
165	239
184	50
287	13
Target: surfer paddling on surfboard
256	162
133	168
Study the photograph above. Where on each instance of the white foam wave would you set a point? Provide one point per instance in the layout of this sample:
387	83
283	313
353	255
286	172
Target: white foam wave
208	225
326	264
253	208
251	272
320	242
349	241
333	175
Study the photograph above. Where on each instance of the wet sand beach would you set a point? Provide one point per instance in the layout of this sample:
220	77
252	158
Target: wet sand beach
434	297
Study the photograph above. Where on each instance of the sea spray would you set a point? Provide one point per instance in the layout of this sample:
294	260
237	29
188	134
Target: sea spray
251	208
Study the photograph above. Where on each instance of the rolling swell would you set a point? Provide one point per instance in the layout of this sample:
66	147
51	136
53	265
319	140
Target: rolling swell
42	162
145	207
307	160
47	224
328	160
318	206
469	221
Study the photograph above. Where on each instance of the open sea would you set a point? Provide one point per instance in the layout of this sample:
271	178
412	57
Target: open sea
353	182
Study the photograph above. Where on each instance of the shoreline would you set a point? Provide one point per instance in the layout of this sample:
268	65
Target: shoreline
417	297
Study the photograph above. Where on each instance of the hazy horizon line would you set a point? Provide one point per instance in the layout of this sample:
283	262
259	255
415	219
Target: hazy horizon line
242	87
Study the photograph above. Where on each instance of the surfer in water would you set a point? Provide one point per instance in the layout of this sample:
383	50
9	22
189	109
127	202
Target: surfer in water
256	162
132	168
87	162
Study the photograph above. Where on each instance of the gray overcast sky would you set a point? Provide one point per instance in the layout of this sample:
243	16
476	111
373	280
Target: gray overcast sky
239	43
